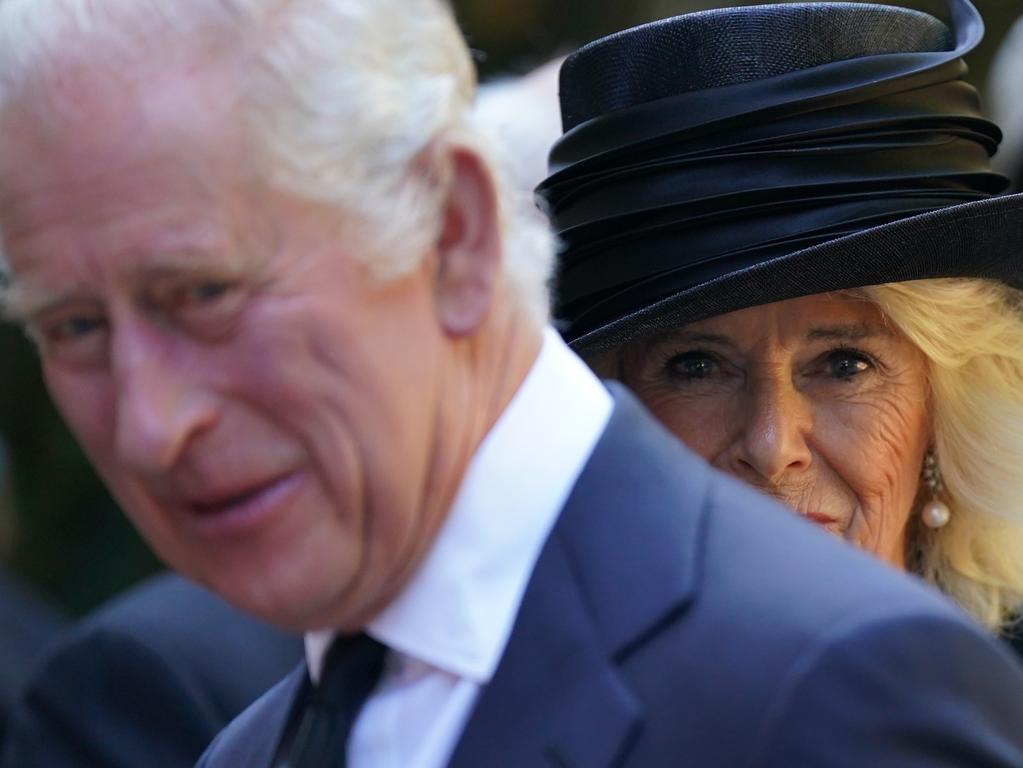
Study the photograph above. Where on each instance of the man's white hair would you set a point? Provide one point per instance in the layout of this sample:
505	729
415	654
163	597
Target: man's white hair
349	102
524	117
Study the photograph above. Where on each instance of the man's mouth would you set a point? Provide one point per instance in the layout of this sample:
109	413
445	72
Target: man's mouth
216	503
232	510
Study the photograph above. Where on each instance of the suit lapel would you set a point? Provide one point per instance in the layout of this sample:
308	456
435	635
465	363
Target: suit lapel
297	698
553	666
621	561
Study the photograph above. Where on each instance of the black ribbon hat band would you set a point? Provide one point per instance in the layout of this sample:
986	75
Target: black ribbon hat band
654	199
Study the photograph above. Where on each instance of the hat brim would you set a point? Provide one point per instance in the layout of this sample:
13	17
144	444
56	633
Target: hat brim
978	239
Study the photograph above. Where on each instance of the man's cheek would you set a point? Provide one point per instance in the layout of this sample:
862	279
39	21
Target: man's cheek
88	409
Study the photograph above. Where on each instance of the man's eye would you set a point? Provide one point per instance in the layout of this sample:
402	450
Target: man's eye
691	366
75	339
208	309
846	364
74	328
203	293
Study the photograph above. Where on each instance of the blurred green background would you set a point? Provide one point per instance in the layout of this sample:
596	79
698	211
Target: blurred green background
58	527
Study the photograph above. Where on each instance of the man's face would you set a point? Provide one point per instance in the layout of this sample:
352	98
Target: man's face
260	406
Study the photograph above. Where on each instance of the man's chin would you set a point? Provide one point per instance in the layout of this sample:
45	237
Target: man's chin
295	600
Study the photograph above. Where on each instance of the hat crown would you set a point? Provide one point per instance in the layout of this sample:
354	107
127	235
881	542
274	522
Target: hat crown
724	159
728	46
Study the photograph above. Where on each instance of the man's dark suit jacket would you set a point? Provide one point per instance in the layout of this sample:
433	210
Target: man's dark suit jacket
147	681
27	623
676	618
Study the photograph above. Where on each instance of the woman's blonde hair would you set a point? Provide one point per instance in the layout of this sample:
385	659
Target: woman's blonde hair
971	332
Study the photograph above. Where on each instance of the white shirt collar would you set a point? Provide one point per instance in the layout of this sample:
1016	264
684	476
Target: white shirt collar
457	611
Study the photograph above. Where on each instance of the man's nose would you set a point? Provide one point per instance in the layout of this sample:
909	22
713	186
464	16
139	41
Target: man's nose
162	403
774	441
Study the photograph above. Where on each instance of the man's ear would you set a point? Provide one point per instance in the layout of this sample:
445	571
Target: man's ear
468	246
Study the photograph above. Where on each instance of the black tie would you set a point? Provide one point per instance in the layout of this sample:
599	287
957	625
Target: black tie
323	715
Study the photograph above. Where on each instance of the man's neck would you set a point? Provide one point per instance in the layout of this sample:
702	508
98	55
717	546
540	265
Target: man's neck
490	367
483	375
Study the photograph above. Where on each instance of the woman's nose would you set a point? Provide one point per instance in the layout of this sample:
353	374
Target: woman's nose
773	440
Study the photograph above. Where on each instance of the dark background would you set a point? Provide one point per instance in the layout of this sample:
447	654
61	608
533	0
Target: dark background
61	531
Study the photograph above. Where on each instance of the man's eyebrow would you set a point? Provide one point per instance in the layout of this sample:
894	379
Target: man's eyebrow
177	270
18	303
21	301
848	332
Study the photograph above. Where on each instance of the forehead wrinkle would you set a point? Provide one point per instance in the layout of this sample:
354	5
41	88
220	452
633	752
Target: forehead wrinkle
145	113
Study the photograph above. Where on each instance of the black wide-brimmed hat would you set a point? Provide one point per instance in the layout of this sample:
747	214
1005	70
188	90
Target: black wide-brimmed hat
729	158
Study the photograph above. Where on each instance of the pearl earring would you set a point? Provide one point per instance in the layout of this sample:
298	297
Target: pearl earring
935	513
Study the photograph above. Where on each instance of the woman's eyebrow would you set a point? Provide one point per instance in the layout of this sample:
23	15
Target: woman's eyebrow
848	332
684	336
708	338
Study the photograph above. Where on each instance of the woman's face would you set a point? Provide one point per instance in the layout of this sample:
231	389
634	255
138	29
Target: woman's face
816	401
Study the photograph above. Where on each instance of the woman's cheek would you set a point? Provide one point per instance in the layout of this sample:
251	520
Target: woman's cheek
878	446
702	422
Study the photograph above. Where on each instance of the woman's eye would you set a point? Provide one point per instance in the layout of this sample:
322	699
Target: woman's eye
846	364
692	366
